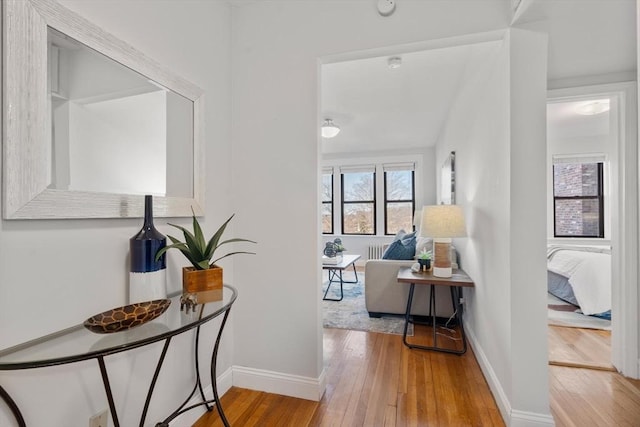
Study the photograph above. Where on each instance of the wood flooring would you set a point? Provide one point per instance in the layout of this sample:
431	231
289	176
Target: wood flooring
577	347
374	380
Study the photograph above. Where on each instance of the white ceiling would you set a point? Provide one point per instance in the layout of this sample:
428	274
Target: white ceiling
378	108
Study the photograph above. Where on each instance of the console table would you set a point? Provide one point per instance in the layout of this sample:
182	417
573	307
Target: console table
77	344
456	282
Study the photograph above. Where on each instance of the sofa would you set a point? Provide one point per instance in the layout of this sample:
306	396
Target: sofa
384	295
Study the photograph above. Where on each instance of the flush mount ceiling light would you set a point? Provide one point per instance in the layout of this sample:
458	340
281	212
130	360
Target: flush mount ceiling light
329	129
593	107
394	62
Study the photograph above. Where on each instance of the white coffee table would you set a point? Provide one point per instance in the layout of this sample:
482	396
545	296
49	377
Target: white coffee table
335	270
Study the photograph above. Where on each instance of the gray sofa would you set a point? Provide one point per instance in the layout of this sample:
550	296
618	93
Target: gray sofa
384	295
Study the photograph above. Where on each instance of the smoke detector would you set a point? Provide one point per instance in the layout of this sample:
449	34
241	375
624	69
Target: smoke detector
386	7
394	62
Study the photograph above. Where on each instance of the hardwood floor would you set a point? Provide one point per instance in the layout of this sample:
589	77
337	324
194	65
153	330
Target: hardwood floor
587	397
585	389
374	380
577	347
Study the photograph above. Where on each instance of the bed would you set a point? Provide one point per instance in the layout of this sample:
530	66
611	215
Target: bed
581	275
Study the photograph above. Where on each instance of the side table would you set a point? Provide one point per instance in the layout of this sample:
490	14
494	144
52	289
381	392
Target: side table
456	282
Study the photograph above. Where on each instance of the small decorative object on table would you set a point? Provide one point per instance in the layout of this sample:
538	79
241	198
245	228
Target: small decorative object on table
127	317
337	242
148	274
204	279
424	259
330	254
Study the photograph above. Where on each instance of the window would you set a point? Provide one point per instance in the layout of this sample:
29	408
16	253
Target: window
327	202
399	198
578	201
358	200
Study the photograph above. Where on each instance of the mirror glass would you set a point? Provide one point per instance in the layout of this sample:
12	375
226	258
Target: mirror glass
90	124
115	130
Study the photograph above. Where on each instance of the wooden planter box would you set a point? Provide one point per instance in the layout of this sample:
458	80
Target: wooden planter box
206	284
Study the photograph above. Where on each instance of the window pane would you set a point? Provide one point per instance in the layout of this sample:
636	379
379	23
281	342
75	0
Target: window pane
399	216
358	218
577	218
399	185
358	186
327	218
327	187
575	179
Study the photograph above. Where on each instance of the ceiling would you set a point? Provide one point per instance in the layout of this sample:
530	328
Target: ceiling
381	109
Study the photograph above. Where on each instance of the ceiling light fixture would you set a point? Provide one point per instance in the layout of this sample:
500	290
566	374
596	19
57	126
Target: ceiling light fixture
592	108
329	129
394	62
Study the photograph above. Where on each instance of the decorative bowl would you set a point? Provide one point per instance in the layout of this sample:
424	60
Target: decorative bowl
126	317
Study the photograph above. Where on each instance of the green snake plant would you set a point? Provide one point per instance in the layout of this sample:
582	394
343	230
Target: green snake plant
198	251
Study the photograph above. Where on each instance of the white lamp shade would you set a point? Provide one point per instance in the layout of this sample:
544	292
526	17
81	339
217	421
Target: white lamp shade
329	129
442	221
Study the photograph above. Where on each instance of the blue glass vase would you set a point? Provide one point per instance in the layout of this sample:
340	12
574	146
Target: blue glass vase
147	277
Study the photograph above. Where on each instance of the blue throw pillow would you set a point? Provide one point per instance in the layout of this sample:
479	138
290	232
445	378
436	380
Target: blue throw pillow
403	249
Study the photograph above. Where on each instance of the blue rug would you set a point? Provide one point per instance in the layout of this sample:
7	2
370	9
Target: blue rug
351	313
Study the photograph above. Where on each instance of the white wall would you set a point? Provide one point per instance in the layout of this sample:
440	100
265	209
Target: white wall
54	274
277	47
497	129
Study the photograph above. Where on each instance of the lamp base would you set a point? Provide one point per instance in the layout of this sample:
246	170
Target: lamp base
442	257
442	272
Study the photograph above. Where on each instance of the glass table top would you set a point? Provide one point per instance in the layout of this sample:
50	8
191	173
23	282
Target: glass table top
78	343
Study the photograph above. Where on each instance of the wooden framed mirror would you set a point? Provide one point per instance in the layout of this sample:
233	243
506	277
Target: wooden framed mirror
77	129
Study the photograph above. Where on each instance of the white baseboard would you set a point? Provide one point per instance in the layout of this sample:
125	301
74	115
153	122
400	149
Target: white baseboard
189	418
279	383
530	419
511	417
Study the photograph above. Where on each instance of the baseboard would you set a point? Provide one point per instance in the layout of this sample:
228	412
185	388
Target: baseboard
489	374
511	417
530	419
225	381
279	383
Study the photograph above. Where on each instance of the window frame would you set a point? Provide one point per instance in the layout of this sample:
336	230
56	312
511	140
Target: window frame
372	202
599	197
387	201
331	174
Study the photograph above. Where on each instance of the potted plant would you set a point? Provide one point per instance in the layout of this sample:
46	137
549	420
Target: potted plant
204	277
424	259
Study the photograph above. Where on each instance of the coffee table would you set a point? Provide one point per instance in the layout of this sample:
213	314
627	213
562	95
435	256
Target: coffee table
335	270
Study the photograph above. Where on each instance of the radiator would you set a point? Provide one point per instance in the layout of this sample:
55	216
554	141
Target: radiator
376	251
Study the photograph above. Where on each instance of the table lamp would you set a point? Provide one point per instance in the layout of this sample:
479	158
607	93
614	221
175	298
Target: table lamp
442	222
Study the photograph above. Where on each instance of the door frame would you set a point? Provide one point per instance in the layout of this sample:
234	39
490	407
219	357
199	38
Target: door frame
624	214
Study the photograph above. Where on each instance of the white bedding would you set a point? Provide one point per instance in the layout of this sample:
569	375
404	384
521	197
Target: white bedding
589	274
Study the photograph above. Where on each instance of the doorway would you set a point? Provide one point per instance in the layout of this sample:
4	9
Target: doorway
594	125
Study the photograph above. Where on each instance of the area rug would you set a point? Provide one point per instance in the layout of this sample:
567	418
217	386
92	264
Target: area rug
351	313
562	313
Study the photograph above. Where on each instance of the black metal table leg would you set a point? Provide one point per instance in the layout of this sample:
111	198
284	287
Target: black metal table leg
407	315
13	407
324	298
154	380
107	389
455	299
214	359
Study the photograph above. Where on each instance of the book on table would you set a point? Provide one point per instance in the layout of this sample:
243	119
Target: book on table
331	260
